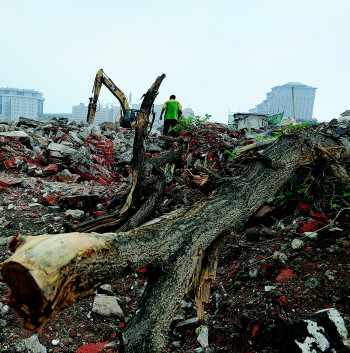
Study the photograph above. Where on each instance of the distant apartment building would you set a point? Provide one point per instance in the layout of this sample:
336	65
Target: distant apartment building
15	103
294	99
187	112
109	113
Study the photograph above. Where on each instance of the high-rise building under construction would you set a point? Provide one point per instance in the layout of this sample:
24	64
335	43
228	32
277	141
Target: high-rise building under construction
294	99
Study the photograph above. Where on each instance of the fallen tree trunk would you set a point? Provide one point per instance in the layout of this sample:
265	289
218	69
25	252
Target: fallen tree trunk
48	272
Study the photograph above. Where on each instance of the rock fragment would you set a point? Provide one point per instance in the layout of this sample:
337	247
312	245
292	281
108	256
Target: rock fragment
107	306
33	345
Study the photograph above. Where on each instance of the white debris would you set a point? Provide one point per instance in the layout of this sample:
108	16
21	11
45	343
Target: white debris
203	334
33	345
76	214
297	244
311	235
55	342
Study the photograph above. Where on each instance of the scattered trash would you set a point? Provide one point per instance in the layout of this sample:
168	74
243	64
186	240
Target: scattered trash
202	335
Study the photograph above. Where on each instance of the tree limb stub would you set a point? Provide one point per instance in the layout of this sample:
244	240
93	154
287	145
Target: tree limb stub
111	223
54	270
138	158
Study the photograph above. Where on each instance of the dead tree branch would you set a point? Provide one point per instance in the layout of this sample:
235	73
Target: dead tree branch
113	222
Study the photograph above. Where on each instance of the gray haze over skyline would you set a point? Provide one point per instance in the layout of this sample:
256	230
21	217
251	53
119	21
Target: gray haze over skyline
217	56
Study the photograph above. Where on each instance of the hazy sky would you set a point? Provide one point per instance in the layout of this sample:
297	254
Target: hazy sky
218	56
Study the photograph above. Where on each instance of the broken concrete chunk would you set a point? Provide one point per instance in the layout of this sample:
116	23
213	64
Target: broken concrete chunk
95	130
74	136
37	141
125	157
29	122
312	282
57	147
107	306
83	134
75	214
3	127
37	150
60	134
14	134
55	342
67	143
106	288
187	322
33	345
152	148
109	134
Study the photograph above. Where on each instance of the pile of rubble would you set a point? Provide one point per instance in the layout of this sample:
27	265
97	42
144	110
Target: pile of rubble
54	167
57	174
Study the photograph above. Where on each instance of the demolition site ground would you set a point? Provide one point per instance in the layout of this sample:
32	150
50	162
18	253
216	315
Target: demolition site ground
287	263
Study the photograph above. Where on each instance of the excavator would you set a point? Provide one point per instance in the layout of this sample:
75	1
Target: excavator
128	116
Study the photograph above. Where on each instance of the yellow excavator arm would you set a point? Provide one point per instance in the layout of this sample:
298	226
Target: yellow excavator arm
102	79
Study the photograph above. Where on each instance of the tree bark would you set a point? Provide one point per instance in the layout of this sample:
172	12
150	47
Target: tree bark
49	272
138	158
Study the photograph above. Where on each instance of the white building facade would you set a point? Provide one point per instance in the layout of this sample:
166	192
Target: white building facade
187	112
15	103
294	99
247	120
109	113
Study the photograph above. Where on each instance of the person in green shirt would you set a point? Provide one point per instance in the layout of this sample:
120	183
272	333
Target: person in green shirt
173	111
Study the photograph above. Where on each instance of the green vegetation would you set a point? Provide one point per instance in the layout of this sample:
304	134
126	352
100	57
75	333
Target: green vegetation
232	155
290	127
294	191
298	188
187	123
343	199
275	135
